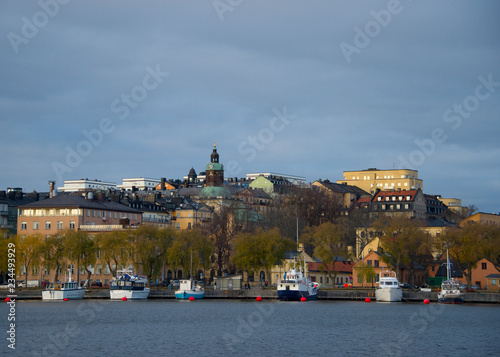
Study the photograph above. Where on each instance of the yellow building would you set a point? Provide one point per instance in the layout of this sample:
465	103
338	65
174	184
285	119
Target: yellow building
480	217
190	214
393	180
454	204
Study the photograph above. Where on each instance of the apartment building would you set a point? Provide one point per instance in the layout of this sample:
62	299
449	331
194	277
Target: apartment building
386	180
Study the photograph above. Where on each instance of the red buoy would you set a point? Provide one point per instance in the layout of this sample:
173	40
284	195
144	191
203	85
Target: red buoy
191	298
258	298
427	301
368	300
7	299
65	299
303	298
124	298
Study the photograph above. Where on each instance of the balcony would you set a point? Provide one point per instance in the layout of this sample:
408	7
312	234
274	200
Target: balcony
101	227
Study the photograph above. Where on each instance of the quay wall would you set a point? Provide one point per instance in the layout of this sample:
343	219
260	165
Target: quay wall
333	294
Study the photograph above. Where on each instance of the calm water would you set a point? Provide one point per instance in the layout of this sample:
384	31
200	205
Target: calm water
248	328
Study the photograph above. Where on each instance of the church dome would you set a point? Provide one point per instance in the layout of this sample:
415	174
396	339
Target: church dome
215	191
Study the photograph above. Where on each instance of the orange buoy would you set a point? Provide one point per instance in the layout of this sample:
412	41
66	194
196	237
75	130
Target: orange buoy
66	299
368	299
303	298
7	299
258	298
427	301
191	298
124	298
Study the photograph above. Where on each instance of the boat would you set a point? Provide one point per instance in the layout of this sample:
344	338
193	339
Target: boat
450	288
128	286
295	285
388	289
189	288
58	290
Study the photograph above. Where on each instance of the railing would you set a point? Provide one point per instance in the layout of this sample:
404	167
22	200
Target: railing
102	227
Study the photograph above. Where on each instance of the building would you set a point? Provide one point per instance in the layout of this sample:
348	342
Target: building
346	195
84	185
53	215
140	183
190	214
391	180
410	203
272	185
214	170
480	273
481	217
343	273
293	179
454	204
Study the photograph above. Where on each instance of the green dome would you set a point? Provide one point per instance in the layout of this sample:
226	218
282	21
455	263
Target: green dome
214	166
214	191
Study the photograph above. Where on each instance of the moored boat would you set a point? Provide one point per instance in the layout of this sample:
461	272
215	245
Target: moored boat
450	288
295	285
388	289
189	288
126	285
58	290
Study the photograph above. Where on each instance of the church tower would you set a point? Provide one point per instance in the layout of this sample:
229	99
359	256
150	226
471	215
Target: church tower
214	170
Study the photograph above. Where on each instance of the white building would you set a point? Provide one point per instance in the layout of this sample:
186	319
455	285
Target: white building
86	184
140	183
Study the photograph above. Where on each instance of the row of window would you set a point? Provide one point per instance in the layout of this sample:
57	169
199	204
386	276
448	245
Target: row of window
48	225
100	213
392	207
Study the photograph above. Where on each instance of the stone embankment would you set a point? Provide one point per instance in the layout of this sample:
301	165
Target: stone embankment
332	294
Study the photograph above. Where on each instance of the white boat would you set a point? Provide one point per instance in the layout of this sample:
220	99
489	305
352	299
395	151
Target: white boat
450	288
295	285
126	285
388	289
189	288
58	290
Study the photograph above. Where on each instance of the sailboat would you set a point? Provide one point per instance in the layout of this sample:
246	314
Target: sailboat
189	288
295	285
450	290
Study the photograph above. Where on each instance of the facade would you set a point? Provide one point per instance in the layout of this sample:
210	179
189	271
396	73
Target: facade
84	185
346	195
272	185
480	217
454	204
53	215
256	199
140	183
4	214
408	203
480	273
493	281
190	214
391	180
343	272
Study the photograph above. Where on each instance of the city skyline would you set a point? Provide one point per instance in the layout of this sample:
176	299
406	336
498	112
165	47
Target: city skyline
121	90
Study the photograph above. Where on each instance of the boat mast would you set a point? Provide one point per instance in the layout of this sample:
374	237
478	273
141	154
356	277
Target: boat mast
447	265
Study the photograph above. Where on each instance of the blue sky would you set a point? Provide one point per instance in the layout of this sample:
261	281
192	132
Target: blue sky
119	89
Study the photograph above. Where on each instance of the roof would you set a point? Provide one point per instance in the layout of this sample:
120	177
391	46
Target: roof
215	191
341	267
342	188
77	201
492	276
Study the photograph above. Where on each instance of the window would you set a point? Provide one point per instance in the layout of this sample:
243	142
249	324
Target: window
47	225
99	214
72	225
375	263
369	262
360	279
189	225
60	225
35	225
114	214
98	269
24	226
88	213
106	269
483	266
103	214
493	281
93	213
35	270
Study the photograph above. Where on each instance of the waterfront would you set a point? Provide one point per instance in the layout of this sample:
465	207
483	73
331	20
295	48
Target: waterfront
244	327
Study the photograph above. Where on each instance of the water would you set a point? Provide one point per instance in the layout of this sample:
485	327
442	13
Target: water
247	328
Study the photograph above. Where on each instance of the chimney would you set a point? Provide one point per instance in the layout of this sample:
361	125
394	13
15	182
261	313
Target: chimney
52	185
162	183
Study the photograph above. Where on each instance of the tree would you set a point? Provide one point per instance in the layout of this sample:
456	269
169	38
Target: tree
328	240
401	236
468	245
150	245
28	250
260	250
82	250
5	239
190	247
53	251
366	272
115	249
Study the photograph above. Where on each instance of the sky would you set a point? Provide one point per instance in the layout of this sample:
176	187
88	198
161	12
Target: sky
121	89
